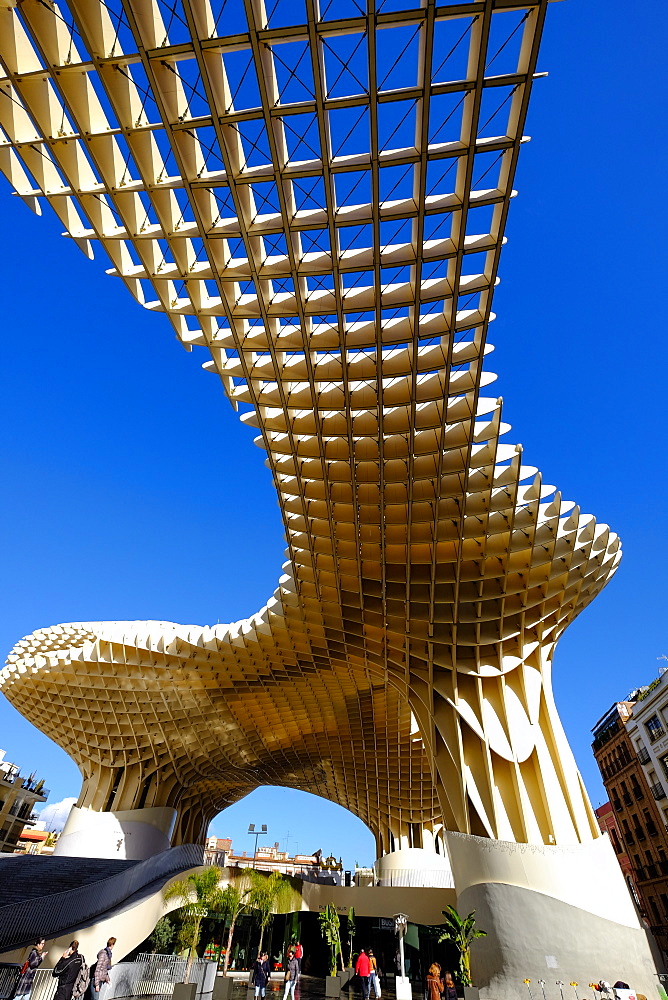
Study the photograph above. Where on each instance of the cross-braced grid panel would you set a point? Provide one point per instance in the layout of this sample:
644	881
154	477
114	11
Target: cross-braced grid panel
317	193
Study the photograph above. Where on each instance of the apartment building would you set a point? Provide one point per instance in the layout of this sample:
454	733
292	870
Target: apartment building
19	793
636	796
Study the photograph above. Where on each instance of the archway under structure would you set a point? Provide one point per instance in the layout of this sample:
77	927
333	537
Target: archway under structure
299	822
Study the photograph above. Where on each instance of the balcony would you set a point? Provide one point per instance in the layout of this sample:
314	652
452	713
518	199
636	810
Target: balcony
604	735
656	733
626	798
639	832
651	829
658	790
628	838
31	785
36	787
643	755
617	806
638	792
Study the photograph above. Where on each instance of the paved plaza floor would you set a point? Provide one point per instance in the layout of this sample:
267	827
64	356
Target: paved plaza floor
309	988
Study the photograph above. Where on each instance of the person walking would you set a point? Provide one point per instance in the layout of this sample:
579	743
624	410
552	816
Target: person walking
363	970
374	974
434	985
30	967
299	954
291	974
102	967
261	974
449	988
66	971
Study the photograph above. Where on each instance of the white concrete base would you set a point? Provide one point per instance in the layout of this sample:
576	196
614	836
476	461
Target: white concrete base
414	866
403	989
130	834
550	913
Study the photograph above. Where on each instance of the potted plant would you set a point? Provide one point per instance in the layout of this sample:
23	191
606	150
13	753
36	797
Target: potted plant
462	931
329	927
200	895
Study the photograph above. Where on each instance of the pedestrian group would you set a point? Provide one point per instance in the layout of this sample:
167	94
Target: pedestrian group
73	975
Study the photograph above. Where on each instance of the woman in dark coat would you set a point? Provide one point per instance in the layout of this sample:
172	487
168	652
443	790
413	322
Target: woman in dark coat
261	973
67	971
35	959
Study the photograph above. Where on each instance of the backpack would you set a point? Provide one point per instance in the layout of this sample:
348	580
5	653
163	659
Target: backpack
82	981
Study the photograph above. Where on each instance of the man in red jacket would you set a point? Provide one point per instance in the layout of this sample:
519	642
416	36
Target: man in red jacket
363	968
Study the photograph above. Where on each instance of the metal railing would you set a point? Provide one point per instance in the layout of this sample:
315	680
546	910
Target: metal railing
10	973
438	878
50	915
147	976
29	784
658	790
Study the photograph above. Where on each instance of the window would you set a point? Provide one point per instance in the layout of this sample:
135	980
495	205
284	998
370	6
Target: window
649	823
654	728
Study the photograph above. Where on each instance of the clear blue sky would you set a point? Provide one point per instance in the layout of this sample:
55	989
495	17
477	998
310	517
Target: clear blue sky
131	490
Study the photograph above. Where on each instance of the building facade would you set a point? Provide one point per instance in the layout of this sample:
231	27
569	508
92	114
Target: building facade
19	793
607	822
36	840
636	797
218	851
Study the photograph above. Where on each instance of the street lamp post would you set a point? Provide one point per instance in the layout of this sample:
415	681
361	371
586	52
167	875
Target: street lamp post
257	833
402	985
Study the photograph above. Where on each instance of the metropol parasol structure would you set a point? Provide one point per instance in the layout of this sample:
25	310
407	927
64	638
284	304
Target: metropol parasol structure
316	191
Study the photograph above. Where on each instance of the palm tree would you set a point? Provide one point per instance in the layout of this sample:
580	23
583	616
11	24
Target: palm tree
329	926
266	893
461	931
200	895
234	901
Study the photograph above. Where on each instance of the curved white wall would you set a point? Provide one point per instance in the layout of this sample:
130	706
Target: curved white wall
584	875
131	834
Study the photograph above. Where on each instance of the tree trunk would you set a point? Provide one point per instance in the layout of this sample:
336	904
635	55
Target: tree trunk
466	965
228	952
193	951
259	947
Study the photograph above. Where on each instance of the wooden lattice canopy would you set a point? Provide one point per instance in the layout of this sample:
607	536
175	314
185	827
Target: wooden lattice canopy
317	192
